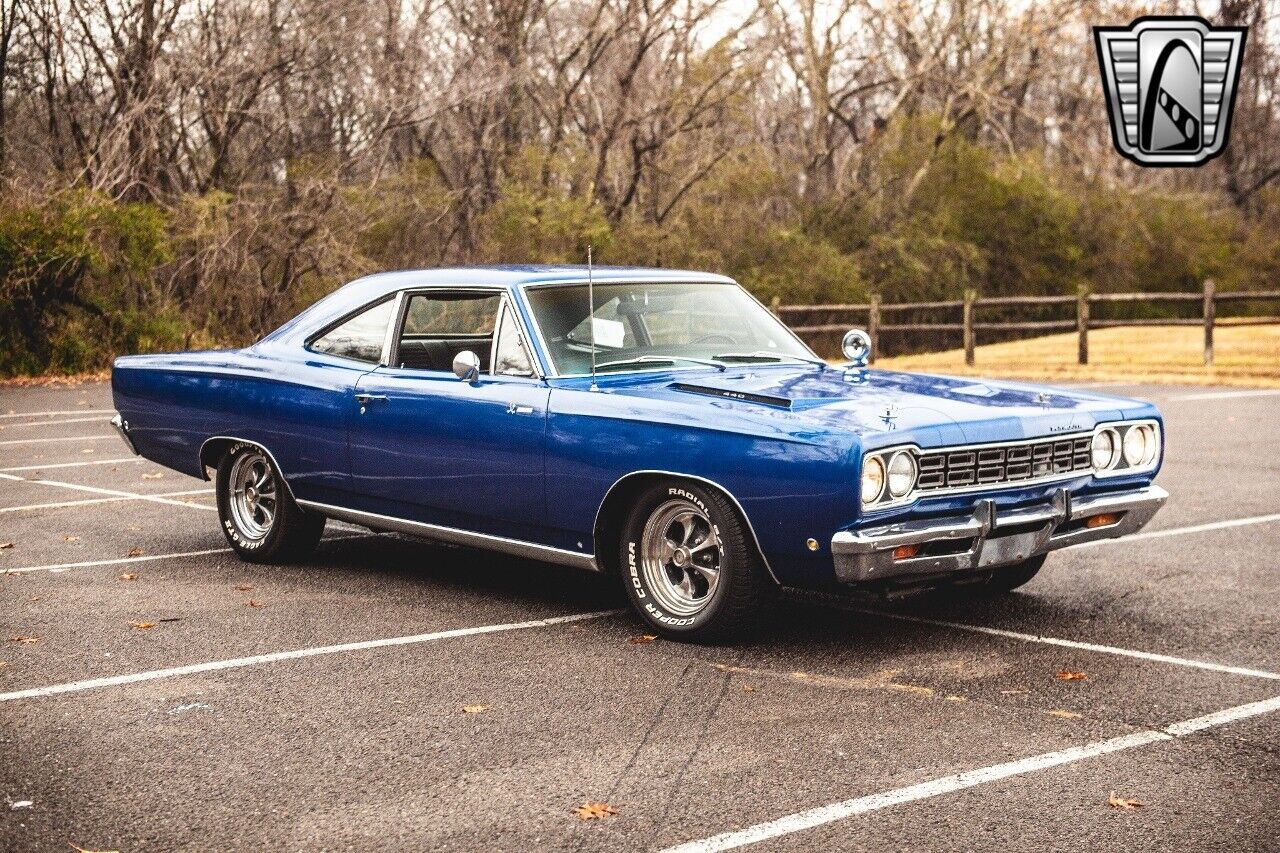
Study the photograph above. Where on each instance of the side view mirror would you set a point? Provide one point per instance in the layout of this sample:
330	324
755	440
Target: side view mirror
856	347
466	366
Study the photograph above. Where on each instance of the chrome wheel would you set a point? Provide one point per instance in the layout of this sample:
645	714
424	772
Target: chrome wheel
254	500
680	557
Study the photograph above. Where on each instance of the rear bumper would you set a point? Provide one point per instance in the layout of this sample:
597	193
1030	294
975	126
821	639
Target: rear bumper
122	427
987	538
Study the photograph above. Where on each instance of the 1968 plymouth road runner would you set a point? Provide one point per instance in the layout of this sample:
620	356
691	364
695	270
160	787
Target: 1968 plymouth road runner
674	433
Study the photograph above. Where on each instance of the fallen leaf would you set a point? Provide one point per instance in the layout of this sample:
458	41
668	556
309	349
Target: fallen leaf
87	450
133	528
82	850
474	709
129	576
4	546
26	641
67	537
642	639
1017	691
243	587
4	663
253	603
1121	803
1068	675
156	476
747	688
34	598
1066	715
135	552
593	811
956	699
143	626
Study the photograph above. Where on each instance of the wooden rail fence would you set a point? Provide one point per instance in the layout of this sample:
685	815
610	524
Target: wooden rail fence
969	325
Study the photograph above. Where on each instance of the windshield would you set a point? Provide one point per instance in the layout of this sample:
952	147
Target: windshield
643	326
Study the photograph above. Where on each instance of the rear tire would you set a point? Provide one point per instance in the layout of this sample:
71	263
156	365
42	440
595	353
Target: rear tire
690	565
259	517
1008	578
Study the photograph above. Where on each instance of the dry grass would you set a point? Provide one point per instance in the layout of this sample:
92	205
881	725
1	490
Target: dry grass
54	379
1244	355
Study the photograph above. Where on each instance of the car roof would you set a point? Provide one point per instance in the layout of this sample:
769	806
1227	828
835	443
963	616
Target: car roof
373	287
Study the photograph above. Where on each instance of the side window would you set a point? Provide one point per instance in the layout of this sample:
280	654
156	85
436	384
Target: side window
438	326
359	338
510	355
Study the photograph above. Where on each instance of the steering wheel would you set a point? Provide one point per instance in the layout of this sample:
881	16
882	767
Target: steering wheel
714	337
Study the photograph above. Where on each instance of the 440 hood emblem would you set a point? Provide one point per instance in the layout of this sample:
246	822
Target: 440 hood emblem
1170	84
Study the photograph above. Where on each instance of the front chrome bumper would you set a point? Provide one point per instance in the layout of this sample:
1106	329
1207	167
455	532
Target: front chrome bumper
122	427
987	538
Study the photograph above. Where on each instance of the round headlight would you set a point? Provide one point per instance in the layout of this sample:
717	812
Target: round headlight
902	474
1103	449
1136	441
872	480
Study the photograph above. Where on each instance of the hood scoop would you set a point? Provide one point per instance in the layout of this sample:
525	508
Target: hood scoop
728	394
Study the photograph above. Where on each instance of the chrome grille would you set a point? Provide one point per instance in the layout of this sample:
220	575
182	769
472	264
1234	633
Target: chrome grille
1032	460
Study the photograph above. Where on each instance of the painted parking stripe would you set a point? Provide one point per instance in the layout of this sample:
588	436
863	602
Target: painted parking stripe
1226	395
11	415
1076	644
294	654
114	493
1180	531
801	821
146	558
60	438
126	460
114	499
96	420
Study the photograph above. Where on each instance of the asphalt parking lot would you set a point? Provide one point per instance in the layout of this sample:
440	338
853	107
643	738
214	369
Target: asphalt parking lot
156	693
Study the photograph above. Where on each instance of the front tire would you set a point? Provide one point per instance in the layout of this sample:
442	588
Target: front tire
690	565
259	517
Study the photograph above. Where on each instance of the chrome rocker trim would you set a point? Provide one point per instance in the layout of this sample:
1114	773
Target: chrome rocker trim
867	555
122	427
469	538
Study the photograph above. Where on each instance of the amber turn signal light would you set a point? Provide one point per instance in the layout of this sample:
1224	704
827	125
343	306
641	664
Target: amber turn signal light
1104	520
905	552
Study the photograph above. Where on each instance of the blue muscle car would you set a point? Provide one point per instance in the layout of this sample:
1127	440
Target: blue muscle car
674	433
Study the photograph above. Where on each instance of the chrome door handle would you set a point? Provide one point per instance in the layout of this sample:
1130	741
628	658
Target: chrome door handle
364	399
513	409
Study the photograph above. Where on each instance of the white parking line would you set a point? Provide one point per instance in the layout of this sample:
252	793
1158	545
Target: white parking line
1075	644
124	461
89	501
113	492
146	558
60	438
948	784
294	654
59	412
97	420
1179	531
1226	395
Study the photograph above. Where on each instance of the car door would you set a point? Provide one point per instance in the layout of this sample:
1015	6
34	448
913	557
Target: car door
431	447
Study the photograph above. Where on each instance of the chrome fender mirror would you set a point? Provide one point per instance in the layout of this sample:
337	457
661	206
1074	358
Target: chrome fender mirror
466	366
856	347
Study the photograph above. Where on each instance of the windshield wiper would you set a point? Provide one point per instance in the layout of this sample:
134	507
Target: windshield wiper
772	356
662	359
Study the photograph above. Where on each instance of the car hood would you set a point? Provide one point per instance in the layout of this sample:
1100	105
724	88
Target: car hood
887	407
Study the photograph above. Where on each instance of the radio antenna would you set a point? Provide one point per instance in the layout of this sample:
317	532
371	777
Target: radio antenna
591	319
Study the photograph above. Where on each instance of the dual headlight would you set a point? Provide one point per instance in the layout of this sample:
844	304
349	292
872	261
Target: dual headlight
896	477
1116	449
1124	448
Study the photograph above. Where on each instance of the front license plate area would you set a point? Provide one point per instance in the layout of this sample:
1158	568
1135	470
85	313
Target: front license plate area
1000	550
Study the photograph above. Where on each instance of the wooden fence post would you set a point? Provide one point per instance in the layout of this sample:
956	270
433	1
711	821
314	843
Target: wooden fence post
969	342
775	305
1208	322
873	326
1082	321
